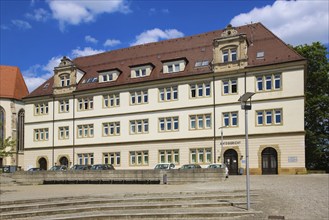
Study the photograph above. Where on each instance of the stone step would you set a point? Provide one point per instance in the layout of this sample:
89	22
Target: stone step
148	213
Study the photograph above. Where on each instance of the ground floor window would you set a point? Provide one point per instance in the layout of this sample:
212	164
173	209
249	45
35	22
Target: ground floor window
139	158
169	156
112	158
200	155
86	159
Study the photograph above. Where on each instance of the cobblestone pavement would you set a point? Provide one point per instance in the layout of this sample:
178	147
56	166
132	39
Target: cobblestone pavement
292	196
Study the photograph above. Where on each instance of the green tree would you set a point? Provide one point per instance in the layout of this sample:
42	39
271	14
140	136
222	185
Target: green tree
6	147
316	105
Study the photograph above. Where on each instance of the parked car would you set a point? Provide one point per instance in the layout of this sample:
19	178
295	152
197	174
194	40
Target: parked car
190	166
102	167
59	168
164	166
34	169
219	165
80	167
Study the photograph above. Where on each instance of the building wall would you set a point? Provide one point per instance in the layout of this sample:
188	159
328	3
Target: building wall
287	138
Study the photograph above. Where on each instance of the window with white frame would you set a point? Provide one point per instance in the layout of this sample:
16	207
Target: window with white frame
168	124
138	97
64	106
112	158
229	55
200	90
138	158
269	117
63	133
111	129
201	155
86	131
65	80
112	100
168	94
41	108
174	66
41	134
139	126
86	159
169	156
85	103
230	86
269	82
198	122
230	119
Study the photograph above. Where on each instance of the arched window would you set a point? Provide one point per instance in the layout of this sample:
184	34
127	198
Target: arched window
2	124
20	130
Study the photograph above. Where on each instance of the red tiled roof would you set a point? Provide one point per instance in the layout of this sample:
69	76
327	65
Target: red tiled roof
12	84
193	48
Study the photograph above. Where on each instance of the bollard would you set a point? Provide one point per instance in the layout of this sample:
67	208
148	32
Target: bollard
165	178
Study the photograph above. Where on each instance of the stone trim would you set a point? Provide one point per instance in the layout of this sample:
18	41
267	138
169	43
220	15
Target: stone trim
278	151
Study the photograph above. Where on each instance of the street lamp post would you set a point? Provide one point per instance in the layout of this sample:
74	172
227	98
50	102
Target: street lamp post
245	106
222	147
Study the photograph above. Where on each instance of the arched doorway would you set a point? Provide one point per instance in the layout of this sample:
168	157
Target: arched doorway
231	161
269	161
43	163
64	161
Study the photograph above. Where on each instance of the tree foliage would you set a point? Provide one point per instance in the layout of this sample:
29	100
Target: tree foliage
6	147
316	105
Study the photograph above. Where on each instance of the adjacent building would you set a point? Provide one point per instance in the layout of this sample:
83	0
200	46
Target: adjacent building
12	90
170	101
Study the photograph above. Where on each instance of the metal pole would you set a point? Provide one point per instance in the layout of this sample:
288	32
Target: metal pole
221	151
247	160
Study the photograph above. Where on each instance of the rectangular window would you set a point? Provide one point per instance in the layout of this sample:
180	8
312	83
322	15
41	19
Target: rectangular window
168	124
270	82
111	129
233	55
200	90
112	158
139	126
85	131
203	121
64	106
63	133
85	104
41	134
201	155
272	117
277	81
140	72
140	97
230	86
112	100
259	83
225	56
86	159
41	109
230	119
138	158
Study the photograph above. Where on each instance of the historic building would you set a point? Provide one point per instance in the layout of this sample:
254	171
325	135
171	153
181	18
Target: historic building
12	90
165	102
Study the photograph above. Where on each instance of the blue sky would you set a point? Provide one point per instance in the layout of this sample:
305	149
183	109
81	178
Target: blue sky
35	34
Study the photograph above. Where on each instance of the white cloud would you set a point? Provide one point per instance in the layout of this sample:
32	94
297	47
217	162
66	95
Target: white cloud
39	14
155	35
111	43
87	51
38	74
90	39
296	22
4	27
76	12
23	25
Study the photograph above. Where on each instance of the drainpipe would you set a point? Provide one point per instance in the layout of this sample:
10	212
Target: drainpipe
53	136
73	132
214	110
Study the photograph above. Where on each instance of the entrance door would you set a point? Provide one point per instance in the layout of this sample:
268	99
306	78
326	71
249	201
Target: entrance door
231	161
64	161
42	163
269	161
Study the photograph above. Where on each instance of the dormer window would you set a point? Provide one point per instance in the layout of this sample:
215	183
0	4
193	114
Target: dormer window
65	80
229	55
141	71
108	76
174	66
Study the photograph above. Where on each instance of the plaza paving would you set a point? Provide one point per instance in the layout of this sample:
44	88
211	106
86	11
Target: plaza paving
288	196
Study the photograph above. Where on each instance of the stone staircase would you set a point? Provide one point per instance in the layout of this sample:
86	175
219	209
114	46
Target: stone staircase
184	205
